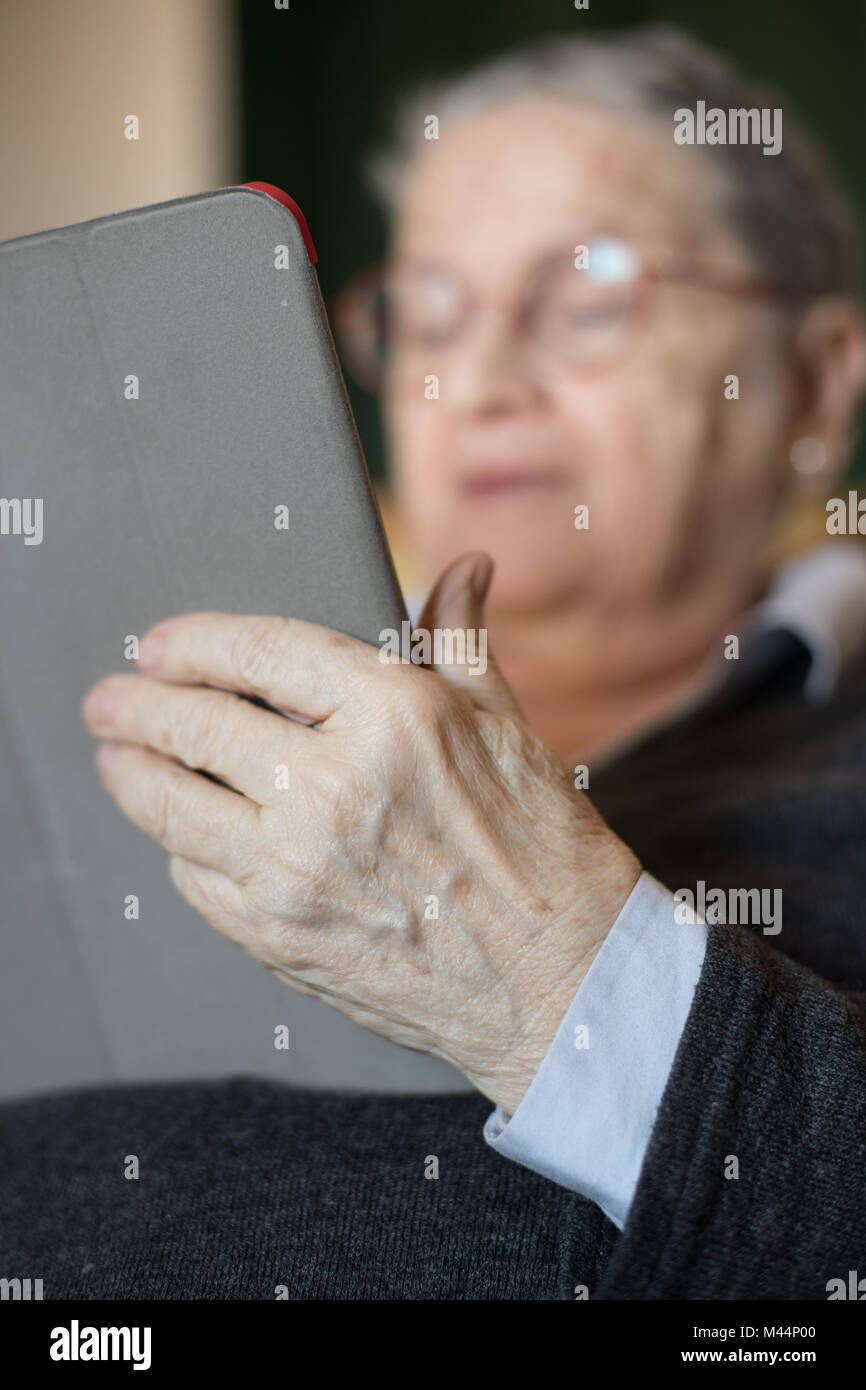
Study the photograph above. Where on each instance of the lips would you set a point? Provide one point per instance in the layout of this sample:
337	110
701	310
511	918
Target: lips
491	484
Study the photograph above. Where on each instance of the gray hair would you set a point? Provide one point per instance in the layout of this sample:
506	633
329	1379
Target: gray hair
790	210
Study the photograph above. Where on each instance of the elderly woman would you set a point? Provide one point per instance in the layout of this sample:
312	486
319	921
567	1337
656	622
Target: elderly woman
610	362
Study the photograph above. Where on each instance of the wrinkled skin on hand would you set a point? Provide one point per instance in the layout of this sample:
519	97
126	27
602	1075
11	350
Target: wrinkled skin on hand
419	859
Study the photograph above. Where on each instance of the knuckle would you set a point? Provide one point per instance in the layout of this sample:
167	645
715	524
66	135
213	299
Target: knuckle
269	903
256	649
304	858
337	778
170	808
413	711
203	892
204	737
411	694
305	887
160	810
425	705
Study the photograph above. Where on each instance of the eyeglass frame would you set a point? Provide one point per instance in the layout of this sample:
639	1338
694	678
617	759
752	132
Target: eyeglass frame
685	270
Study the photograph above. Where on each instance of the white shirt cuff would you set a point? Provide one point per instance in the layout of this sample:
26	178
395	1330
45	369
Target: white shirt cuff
586	1119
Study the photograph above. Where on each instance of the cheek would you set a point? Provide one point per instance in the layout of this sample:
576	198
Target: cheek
638	447
685	468
650	445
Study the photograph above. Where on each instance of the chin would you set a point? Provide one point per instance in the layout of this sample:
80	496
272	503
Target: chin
530	581
515	590
529	575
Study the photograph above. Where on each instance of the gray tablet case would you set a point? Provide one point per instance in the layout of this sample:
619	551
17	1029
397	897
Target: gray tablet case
167	380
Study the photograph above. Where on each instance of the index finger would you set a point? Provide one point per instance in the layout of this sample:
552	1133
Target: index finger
298	667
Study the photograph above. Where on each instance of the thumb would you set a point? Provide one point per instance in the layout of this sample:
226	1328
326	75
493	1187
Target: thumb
455	610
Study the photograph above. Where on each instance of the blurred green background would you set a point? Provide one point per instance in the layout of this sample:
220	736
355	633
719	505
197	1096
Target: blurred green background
320	81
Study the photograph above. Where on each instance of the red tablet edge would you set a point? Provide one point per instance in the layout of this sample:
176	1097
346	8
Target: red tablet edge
280	197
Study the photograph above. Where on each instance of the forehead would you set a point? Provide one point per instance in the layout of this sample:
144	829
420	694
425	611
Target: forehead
525	176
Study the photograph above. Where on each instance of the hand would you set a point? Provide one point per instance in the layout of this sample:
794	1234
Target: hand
419	860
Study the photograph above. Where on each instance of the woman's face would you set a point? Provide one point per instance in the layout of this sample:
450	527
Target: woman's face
678	478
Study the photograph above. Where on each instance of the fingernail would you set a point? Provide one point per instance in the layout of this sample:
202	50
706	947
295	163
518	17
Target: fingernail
99	705
151	650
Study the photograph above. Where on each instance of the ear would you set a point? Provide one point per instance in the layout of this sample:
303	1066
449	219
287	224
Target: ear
830	364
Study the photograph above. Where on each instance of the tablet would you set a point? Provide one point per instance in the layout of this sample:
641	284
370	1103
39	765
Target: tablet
174	435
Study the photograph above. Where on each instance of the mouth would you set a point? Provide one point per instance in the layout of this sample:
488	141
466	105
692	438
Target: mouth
500	484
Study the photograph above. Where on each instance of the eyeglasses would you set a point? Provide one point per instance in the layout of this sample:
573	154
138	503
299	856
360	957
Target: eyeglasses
583	308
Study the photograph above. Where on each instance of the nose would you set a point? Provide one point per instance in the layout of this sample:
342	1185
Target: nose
491	372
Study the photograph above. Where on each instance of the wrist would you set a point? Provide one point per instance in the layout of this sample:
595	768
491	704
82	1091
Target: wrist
546	989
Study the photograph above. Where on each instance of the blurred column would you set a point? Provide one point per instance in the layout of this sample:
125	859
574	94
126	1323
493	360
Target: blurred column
71	71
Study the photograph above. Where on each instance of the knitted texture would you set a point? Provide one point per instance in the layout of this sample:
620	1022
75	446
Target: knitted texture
248	1185
771	1071
245	1185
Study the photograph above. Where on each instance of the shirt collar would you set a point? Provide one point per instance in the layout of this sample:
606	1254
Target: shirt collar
820	596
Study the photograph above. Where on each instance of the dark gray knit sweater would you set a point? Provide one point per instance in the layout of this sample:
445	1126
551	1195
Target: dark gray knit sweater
248	1189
